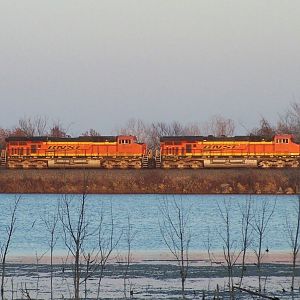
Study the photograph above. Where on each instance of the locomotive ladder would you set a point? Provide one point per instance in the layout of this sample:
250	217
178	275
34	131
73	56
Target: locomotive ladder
145	161
3	158
157	159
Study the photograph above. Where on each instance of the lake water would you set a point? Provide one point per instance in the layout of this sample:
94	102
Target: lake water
144	211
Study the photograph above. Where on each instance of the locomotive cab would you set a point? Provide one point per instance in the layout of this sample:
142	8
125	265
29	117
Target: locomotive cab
283	138
126	140
128	144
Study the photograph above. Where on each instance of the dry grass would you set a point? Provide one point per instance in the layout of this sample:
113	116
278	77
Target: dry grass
213	181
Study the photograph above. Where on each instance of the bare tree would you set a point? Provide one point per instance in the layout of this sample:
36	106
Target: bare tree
57	130
36	126
151	133
293	231
220	126
91	132
107	242
289	122
265	129
4	133
75	228
40	124
247	216
192	129
129	236
51	222
175	230
262	216
135	127
231	252
4	246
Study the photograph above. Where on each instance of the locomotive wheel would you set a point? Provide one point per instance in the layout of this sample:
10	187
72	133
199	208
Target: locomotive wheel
25	165
41	165
165	165
180	166
137	165
280	164
196	165
11	165
123	165
294	164
107	165
264	164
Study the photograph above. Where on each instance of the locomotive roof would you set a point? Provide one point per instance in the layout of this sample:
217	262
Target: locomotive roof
250	138
61	139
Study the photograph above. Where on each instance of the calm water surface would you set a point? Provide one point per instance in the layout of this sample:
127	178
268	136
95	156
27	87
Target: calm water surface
144	211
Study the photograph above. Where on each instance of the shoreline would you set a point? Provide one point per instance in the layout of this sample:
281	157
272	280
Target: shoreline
196	258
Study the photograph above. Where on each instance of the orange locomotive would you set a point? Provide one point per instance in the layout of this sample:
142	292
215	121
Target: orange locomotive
175	152
82	152
240	151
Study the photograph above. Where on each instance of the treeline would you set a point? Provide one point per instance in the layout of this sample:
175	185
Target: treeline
288	122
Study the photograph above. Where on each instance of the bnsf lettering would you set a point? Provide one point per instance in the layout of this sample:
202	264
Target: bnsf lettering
219	147
64	147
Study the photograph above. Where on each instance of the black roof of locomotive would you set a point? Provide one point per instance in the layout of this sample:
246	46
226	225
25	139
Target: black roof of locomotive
61	139
250	138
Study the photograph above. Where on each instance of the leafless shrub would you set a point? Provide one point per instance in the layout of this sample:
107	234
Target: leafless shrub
262	216
293	232
75	229
231	251
130	234
247	216
107	242
4	245
51	222
175	230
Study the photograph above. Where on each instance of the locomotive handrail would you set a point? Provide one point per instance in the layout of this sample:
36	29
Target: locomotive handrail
3	157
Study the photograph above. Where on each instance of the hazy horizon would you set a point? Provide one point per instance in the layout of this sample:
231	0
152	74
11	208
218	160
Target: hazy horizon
96	64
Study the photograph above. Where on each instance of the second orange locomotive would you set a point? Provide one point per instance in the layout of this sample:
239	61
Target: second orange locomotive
240	151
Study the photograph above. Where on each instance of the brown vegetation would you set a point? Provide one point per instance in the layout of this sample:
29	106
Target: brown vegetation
207	181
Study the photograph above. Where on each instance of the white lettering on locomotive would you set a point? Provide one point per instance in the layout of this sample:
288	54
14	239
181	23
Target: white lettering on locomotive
63	147
220	147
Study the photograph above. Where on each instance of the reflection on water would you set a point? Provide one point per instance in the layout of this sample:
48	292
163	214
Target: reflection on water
31	236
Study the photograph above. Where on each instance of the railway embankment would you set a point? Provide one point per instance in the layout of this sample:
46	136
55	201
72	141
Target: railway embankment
205	181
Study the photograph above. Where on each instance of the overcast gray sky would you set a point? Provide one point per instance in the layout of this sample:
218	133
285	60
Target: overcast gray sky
95	64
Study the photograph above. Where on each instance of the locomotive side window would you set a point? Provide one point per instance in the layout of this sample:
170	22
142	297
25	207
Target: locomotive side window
33	148
124	141
188	148
282	141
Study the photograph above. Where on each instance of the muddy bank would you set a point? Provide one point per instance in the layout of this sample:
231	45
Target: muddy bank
146	281
207	181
